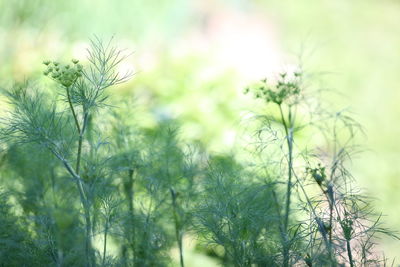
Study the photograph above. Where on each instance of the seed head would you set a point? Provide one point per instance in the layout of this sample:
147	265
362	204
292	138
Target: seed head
347	227
284	89
66	74
318	174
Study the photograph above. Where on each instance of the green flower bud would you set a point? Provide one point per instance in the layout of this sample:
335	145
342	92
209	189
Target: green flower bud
66	74
347	227
46	62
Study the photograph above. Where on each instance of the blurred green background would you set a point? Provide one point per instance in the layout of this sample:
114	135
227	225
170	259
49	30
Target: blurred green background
193	57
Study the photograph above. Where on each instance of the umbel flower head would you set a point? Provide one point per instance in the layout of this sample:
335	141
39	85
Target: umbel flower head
318	174
284	88
66	74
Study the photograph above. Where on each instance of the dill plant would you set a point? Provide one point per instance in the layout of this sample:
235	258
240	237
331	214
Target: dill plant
335	226
173	171
285	95
157	175
62	126
87	185
237	214
140	235
176	172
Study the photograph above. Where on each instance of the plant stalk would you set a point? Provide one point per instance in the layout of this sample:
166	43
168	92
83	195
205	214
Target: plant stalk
349	254
129	192
83	197
178	233
289	141
105	242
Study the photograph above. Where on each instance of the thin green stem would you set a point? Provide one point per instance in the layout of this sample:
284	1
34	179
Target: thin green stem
349	254
130	194
73	110
80	141
78	157
83	197
178	233
289	141
331	204
105	242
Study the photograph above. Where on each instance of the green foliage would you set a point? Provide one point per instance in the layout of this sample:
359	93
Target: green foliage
238	215
91	187
17	246
335	217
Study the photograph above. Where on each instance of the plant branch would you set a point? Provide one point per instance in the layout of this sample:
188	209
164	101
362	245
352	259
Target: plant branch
178	233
